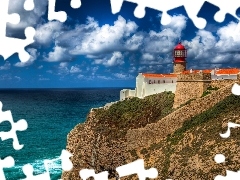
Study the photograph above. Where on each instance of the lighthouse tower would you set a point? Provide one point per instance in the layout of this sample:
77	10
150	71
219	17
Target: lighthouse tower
179	62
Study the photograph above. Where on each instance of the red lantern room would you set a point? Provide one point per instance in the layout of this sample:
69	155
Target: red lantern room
179	53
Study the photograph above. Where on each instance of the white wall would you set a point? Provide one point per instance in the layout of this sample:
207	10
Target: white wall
161	80
139	85
149	86
224	76
158	88
125	93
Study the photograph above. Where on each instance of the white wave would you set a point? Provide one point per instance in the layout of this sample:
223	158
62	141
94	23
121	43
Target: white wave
53	166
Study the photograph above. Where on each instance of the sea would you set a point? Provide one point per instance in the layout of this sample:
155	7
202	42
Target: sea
50	114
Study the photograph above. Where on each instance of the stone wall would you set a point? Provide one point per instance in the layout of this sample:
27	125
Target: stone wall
222	83
190	86
179	67
152	133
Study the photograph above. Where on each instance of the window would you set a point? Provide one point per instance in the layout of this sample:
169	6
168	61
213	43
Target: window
178	53
172	81
149	82
163	81
158	81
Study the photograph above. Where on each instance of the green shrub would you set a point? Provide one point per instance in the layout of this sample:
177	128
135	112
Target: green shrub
210	88
134	113
206	93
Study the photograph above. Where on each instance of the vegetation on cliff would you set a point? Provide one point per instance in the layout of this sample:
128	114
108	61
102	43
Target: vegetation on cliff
189	152
133	113
186	153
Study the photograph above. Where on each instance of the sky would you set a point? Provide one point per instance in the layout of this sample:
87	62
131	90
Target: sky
96	48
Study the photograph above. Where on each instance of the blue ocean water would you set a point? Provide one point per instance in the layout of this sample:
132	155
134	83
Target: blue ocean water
50	114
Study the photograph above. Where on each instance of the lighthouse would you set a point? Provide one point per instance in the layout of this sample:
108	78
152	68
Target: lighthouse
179	62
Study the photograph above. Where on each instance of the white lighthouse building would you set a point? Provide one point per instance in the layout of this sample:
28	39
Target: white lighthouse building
148	84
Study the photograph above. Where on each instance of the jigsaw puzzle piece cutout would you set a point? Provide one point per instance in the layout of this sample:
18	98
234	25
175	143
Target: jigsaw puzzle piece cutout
87	173
7	49
28	5
66	162
5	17
230	175
53	15
75	4
20	125
236	89
66	166
28	171
6	43
159	5
192	8
7	162
137	167
229	6
227	133
13	18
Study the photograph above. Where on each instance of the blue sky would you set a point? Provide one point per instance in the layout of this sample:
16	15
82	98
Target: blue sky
95	48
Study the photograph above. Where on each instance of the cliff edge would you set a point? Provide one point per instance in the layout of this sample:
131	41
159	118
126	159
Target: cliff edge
181	143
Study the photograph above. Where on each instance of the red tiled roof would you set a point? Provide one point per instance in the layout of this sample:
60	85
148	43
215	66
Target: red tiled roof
218	72
159	75
228	71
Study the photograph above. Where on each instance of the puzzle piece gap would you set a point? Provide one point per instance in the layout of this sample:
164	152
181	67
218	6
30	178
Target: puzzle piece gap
7	162
192	8
139	12
29	5
75	4
13	18
219	158
52	15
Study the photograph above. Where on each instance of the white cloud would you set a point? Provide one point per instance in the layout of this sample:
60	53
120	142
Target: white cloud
148	57
134	42
33	53
97	39
162	42
80	76
40	67
208	48
116	59
177	24
63	68
63	64
6	66
104	77
43	79
228	38
74	69
132	69
46	33
17	78
58	54
108	44
123	76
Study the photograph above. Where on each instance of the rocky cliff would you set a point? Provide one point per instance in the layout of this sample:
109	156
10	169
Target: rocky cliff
100	143
181	143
